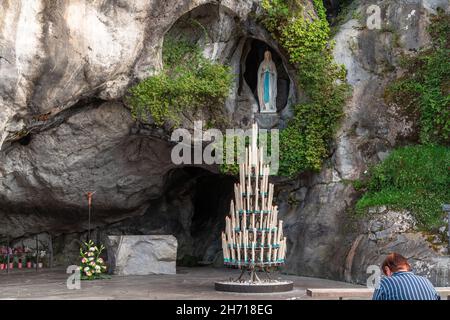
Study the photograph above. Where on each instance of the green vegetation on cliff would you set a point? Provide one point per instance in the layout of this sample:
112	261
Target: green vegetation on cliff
415	178
188	82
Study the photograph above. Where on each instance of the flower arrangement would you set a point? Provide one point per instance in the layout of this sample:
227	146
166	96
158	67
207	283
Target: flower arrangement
41	254
92	265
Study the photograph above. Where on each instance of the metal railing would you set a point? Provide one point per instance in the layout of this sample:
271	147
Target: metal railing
10	253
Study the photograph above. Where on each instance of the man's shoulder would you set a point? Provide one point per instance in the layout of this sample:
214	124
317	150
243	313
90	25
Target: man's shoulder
425	279
406	276
396	278
386	282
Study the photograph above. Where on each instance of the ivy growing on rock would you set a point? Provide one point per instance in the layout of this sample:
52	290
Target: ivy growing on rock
416	178
188	82
305	35
423	93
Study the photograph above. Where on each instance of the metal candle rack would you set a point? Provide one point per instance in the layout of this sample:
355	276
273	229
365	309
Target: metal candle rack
253	237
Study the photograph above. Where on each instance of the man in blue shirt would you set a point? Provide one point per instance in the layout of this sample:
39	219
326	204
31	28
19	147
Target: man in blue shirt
401	283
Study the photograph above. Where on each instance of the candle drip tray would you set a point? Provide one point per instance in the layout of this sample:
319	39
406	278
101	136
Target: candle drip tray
265	286
254	284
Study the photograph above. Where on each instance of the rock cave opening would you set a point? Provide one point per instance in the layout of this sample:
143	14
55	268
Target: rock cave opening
202	201
192	208
251	59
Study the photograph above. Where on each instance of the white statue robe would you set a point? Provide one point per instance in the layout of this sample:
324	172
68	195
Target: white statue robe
267	90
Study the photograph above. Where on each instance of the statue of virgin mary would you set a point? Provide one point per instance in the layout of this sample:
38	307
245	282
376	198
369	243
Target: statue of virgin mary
267	84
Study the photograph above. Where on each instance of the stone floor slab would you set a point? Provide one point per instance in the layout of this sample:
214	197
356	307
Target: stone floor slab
188	283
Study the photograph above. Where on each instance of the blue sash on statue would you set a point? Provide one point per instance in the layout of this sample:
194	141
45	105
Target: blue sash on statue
266	86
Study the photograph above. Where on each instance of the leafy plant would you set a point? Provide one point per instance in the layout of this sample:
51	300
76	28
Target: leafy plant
30	257
92	265
416	178
188	82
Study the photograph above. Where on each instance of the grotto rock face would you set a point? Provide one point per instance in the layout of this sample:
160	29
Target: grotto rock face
389	231
326	238
65	67
65	129
44	182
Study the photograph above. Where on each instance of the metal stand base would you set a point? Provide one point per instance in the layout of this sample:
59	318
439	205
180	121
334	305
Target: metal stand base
261	287
254	284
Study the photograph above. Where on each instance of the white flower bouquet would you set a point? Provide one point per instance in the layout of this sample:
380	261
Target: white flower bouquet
92	265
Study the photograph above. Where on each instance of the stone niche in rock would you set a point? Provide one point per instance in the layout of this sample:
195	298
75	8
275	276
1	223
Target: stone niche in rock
251	59
252	56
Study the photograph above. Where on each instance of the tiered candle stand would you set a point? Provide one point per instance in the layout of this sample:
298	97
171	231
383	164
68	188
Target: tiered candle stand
253	239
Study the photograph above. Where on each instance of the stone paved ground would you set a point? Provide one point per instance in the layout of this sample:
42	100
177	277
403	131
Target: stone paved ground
189	283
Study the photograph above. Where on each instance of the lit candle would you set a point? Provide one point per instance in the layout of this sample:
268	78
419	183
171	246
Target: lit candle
254	145
239	240
245	244
241	203
269	201
233	216
275	216
269	243
262	246
224	246
261	164
232	252
280	230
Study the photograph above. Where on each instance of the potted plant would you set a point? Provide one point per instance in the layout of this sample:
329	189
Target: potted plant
17	262
23	260
11	258
29	257
20	261
42	255
2	262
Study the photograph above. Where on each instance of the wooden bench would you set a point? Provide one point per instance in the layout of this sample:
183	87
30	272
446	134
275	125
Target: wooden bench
340	293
